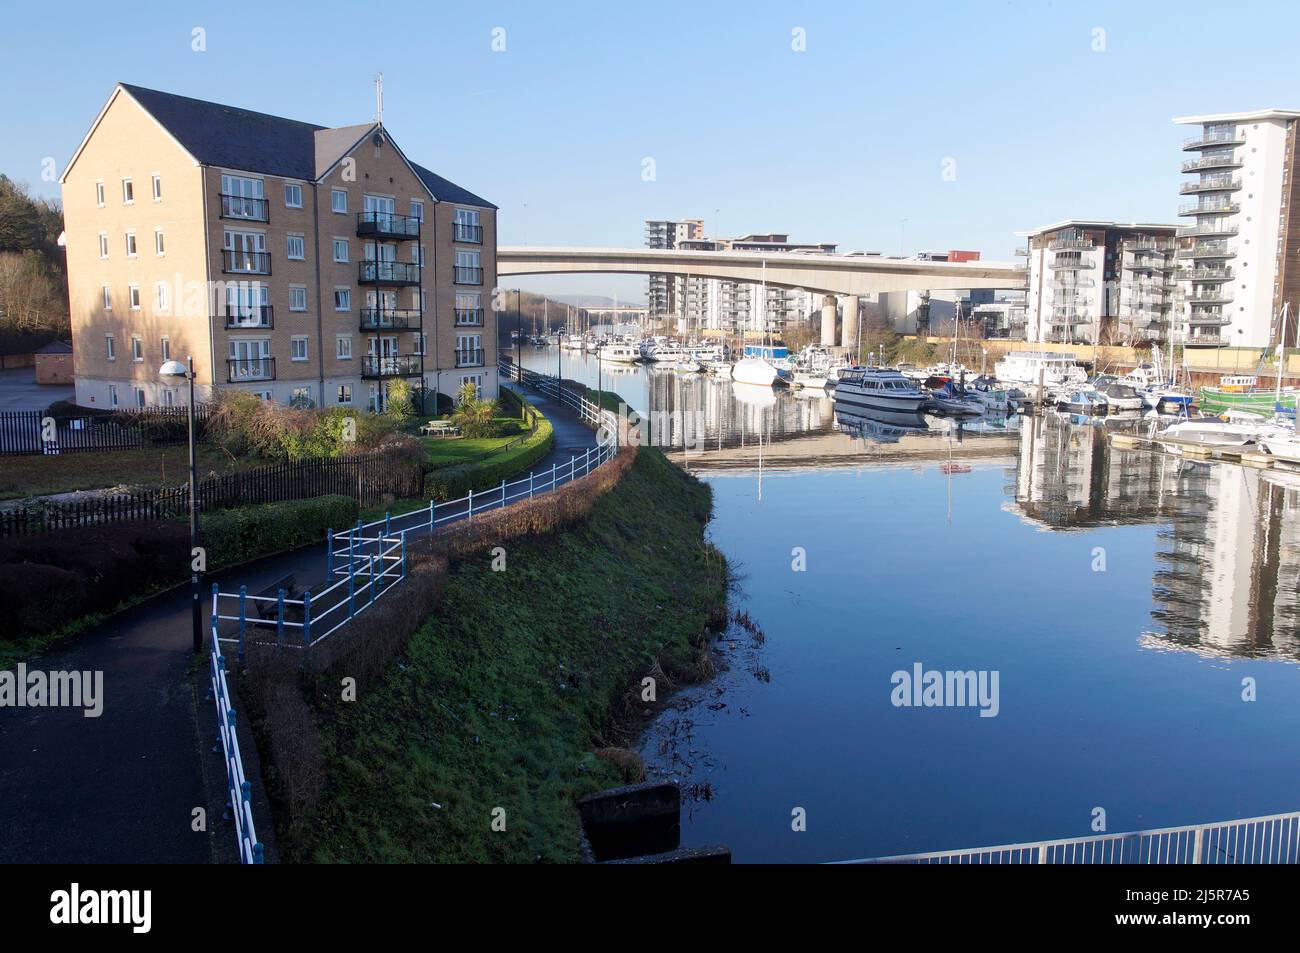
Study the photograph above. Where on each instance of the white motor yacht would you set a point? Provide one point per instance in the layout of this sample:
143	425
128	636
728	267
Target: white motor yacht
878	388
617	353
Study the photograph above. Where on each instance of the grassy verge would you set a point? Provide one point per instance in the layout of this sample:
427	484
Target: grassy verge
503	697
153	466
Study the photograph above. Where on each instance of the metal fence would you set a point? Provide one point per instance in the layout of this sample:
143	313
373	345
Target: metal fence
369	559
34	432
238	789
1271	839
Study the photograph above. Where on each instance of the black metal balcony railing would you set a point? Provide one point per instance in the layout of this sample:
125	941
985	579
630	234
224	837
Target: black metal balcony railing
390	319
236	262
239	369
470	316
388	273
461	232
472	357
468	276
406	365
244	207
388	225
248	316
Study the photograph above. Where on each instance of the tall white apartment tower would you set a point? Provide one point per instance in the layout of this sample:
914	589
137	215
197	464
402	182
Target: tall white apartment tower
1240	249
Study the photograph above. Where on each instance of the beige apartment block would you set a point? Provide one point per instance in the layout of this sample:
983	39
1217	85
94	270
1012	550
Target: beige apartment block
301	263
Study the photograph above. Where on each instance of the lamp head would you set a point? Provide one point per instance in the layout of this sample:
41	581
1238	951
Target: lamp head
173	369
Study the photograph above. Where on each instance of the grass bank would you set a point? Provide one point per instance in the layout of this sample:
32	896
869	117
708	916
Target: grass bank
504	697
41	475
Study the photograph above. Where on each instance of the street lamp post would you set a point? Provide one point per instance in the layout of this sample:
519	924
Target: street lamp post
174	369
519	328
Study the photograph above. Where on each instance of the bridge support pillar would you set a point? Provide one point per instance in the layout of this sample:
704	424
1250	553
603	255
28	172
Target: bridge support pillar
828	320
849	331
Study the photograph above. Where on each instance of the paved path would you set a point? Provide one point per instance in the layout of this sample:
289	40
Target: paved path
121	787
19	390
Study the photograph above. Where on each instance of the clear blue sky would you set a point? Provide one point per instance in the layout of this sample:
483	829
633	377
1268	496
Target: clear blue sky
840	143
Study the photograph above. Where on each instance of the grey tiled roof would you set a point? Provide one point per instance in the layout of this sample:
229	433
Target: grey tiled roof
235	138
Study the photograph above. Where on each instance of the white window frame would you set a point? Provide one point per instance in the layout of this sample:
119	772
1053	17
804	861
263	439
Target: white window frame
162	297
131	248
288	187
347	298
112	395
159	243
294	342
417	210
139	397
164	349
128	187
334	201
346	250
156	184
288	246
343	347
103	246
137	349
293	290
99	194
133	297
343	395
110	348
108	297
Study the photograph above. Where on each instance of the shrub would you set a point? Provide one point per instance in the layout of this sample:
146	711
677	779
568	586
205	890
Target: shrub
250	532
287	729
451	483
473	416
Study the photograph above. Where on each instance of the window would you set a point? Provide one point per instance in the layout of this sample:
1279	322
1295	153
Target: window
417	255
421	342
345	393
297	247
298	348
103	244
165	350
157	187
139	396
339	200
292	196
465	225
344	351
130	244
133	297
469	306
262	395
108	298
169	397
109	350
301	397
417	209
297	297
112	395
243	197
99	194
342	299
162	297
137	349
159	246
475	379
128	192
340	249
469	269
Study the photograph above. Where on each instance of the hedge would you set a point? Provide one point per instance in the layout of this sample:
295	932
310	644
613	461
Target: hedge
451	483
250	532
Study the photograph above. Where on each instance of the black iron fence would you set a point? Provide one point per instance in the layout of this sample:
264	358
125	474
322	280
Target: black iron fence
30	432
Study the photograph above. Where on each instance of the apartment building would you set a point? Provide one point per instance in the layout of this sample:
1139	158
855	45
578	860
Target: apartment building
1096	282
664	293
1240	255
304	264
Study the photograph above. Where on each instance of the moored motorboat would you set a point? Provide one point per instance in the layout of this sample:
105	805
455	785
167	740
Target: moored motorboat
1083	401
877	388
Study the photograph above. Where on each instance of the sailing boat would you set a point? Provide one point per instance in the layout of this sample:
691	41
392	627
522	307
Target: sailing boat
1242	392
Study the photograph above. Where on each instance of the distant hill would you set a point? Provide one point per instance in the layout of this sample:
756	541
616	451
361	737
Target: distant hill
33	283
596	301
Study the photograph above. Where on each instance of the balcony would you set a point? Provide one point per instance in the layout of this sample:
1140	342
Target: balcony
1207	228
1212	139
1208	319
390	319
473	357
1207	250
239	317
1150	245
1211	183
244	208
236	262
1071	244
1221	296
1072	264
1071	284
461	232
1205	340
388	225
1210	208
241	370
388	273
1207	274
467	276
397	366
472	317
1225	160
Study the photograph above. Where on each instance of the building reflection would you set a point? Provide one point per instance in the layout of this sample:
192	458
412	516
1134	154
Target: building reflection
1227	558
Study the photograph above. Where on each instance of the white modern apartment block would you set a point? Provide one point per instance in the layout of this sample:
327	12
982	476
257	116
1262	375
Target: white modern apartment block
1239	251
664	292
1101	282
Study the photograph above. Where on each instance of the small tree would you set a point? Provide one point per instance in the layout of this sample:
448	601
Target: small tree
474	416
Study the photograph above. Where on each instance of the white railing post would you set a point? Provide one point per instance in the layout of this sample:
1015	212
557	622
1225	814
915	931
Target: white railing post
469	510
503	494
1196	845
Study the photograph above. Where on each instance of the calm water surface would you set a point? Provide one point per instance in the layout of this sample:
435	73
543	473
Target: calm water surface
1119	689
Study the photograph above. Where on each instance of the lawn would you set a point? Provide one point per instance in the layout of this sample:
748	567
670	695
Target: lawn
41	475
458	451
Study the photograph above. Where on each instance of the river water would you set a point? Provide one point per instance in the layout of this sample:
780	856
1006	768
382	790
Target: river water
1140	614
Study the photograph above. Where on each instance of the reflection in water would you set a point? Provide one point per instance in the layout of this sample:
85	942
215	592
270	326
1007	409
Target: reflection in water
1226	566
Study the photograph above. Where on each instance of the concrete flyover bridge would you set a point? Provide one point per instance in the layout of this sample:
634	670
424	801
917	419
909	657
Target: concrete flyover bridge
846	276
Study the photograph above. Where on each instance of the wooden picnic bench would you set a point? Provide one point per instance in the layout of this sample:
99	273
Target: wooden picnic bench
440	428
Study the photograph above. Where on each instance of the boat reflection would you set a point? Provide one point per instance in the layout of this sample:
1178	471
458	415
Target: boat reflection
877	426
